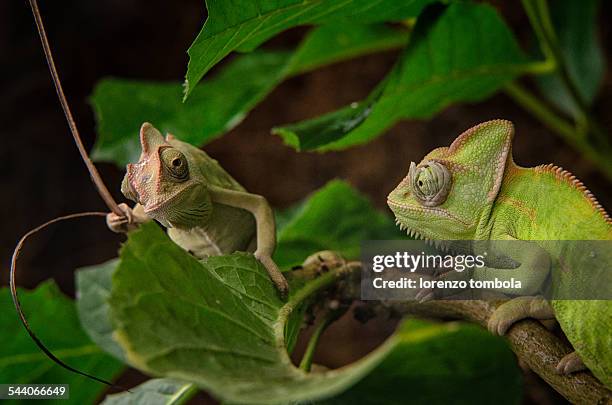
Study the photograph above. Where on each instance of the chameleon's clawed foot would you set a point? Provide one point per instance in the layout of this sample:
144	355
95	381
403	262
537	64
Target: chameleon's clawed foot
570	364
282	286
123	223
516	309
275	274
505	315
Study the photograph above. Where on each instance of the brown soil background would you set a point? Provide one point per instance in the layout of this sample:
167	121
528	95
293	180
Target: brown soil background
42	177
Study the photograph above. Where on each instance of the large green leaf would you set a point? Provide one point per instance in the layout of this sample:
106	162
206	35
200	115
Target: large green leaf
160	391
54	319
220	103
219	324
336	217
461	52
215	106
243	25
337	42
576	26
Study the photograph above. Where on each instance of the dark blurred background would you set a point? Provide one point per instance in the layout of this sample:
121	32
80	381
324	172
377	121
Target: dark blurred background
42	175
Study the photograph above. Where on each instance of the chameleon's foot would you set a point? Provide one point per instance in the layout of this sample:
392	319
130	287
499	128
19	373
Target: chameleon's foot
570	364
121	224
506	315
516	309
275	274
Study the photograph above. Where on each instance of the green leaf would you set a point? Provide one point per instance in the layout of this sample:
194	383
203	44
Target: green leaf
215	107
463	52
54	319
219	324
160	391
220	103
93	284
313	133
233	25
337	42
576	27
336	217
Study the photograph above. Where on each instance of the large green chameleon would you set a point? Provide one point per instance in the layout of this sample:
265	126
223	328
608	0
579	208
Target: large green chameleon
205	210
473	190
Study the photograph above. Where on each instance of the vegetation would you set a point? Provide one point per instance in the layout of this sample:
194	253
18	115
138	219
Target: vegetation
218	325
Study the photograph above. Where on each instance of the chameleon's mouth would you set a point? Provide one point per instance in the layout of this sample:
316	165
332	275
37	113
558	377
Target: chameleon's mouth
398	209
442	246
401	210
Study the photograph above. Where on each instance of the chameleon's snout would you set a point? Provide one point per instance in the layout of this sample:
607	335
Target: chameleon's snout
126	187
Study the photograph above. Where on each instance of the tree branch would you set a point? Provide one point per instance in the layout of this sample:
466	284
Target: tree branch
530	341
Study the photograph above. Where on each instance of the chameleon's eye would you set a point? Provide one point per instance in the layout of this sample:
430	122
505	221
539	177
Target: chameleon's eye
175	164
430	183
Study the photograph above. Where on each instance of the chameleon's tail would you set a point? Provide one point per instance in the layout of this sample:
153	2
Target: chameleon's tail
18	307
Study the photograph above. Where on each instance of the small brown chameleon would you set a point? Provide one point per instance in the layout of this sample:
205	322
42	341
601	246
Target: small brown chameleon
205	210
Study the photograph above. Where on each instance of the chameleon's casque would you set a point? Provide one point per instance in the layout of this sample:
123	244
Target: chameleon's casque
474	190
165	177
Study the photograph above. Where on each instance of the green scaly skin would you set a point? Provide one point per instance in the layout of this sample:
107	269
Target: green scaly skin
206	211
476	191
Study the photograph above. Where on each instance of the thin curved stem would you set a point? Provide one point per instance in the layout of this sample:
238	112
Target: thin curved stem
540	67
17	302
93	172
327	320
186	394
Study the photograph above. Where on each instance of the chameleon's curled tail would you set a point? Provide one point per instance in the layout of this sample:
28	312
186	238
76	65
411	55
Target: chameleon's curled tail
15	295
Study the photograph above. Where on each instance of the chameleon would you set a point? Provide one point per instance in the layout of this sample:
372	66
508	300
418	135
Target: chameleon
205	210
473	190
